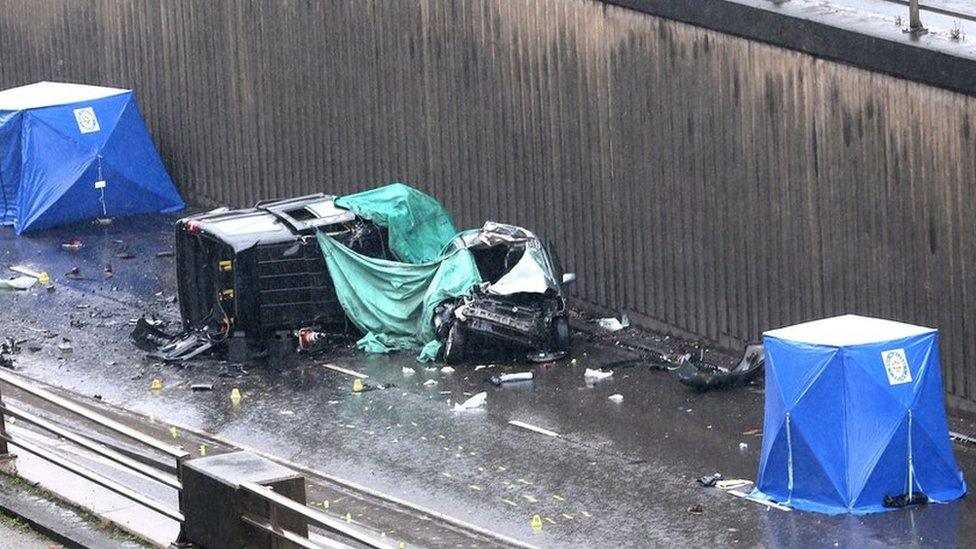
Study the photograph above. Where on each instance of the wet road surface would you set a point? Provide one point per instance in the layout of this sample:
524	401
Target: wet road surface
618	474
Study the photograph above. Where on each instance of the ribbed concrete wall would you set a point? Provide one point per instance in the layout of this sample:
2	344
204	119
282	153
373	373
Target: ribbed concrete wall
705	183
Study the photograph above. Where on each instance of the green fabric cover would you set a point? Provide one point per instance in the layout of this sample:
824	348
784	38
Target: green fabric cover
419	226
393	302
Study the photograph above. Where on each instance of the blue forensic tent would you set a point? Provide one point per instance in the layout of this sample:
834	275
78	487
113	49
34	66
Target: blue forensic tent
854	413
70	152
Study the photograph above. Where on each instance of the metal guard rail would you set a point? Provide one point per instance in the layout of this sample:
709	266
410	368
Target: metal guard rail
130	464
311	517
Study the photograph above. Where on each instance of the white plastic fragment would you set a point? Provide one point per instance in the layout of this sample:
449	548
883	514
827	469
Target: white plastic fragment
533	428
447	370
592	374
612	324
18	283
430	383
475	402
520	376
408	371
616	398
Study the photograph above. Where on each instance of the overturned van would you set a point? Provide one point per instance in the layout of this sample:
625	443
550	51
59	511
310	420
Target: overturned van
258	271
520	301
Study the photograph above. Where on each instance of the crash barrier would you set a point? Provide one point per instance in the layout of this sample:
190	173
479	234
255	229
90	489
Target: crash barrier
7	435
240	498
277	502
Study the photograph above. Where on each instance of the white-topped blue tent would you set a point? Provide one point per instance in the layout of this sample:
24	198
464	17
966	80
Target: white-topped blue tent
71	152
854	413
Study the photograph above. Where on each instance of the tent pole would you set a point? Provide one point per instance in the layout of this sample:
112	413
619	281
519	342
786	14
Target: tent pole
911	460
789	459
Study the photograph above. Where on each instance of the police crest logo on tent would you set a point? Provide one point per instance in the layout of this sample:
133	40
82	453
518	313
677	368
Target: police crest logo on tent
896	366
87	121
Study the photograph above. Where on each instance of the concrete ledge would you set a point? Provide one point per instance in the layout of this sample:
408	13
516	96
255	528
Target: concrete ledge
814	28
55	521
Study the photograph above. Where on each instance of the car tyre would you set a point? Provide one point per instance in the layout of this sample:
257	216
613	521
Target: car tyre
561	334
454	346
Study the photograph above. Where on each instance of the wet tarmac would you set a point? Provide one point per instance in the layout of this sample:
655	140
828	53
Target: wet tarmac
617	474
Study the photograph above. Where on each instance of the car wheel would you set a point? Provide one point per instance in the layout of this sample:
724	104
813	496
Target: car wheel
454	346
560	329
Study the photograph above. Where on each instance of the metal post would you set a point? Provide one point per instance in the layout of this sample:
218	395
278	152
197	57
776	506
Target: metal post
915	26
4	451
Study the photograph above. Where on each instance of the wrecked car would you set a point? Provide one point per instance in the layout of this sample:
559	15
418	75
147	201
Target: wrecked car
520	301
258	271
319	264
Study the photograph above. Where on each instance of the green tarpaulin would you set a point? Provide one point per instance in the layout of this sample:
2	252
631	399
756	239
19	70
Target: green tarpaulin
419	226
393	302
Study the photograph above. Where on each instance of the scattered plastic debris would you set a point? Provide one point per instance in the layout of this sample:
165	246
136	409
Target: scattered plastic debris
447	370
156	385
743	446
357	385
612	324
353	373
533	428
408	371
904	500
473	403
542	357
709	481
596	375
616	398
41	276
18	283
509	378
235	395
705	376
536	522
430	383
200	387
65	346
165	253
73	245
732	484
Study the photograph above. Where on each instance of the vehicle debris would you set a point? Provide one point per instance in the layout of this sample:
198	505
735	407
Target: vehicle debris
18	283
533	428
74	274
9	346
477	401
510	378
709	481
544	357
65	346
353	373
705	376
612	324
41	276
904	500
596	375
